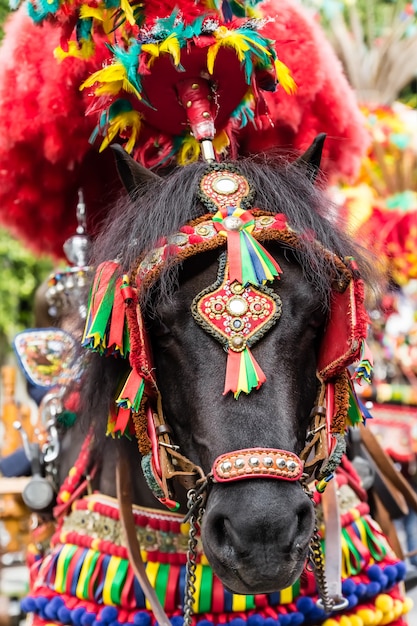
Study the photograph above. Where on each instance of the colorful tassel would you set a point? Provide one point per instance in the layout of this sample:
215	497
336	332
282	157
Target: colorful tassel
364	369
249	262
131	395
106	327
242	373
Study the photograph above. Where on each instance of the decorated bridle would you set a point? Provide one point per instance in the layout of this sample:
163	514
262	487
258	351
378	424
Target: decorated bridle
237	310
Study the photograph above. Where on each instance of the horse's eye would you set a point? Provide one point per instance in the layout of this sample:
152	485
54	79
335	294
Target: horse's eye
317	318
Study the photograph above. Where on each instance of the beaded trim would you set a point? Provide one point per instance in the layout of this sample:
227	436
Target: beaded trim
257	463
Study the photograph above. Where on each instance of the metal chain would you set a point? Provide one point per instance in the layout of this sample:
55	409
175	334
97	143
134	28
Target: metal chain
317	560
195	501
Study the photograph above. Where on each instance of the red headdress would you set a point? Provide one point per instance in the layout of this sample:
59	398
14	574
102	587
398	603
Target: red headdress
45	156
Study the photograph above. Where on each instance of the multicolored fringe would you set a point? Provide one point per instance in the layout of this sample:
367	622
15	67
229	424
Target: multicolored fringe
86	578
106	329
243	373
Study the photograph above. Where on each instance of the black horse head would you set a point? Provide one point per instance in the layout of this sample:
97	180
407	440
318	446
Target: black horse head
255	533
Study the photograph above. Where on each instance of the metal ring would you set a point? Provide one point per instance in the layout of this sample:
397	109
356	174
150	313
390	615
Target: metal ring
339	603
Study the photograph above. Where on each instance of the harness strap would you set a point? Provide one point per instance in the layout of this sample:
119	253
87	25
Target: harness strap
124	497
387	467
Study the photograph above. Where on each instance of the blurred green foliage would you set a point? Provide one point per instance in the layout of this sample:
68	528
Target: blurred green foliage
20	274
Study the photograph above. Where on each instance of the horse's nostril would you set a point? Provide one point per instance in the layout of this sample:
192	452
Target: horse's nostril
220	532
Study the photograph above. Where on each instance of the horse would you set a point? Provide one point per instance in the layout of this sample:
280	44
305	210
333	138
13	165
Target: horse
228	451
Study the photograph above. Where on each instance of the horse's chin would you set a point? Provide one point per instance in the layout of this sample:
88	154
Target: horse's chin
250	581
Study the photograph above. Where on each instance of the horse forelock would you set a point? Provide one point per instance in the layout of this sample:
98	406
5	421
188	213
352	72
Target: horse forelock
163	207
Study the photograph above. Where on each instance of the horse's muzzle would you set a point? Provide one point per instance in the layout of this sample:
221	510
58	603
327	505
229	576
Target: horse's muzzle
256	534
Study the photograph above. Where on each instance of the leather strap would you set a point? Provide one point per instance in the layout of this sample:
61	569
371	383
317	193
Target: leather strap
124	497
387	467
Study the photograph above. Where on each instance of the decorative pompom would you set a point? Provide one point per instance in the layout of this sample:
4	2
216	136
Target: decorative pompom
76	615
255	620
142	619
28	605
305	605
348	587
64	615
108	614
384	602
87	619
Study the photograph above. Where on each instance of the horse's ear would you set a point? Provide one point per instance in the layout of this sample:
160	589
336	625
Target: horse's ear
132	174
310	160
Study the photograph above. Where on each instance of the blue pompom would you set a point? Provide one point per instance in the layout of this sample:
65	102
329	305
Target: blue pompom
51	611
28	605
76	615
204	622
297	619
317	614
360	591
64	615
96	622
255	620
284	620
87	619
141	618
352	599
177	620
374	572
270	621
237	621
305	605
348	587
41	602
373	589
108	614
401	570
391	573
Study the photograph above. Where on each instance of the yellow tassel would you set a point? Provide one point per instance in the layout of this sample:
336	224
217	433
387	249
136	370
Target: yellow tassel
284	76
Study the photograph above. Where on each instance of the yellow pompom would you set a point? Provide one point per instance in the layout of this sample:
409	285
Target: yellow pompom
65	496
378	616
384	602
330	622
355	620
387	619
367	616
345	620
72	471
398	608
407	605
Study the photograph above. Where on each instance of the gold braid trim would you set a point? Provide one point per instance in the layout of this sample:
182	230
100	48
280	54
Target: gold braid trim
341	403
140	422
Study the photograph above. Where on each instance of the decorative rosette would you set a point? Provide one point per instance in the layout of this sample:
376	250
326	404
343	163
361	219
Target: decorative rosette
172	81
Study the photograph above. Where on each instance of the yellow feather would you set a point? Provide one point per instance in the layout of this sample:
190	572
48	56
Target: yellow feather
128	11
129	119
172	46
221	142
86	11
151	48
189	151
112	78
284	76
211	56
84	52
